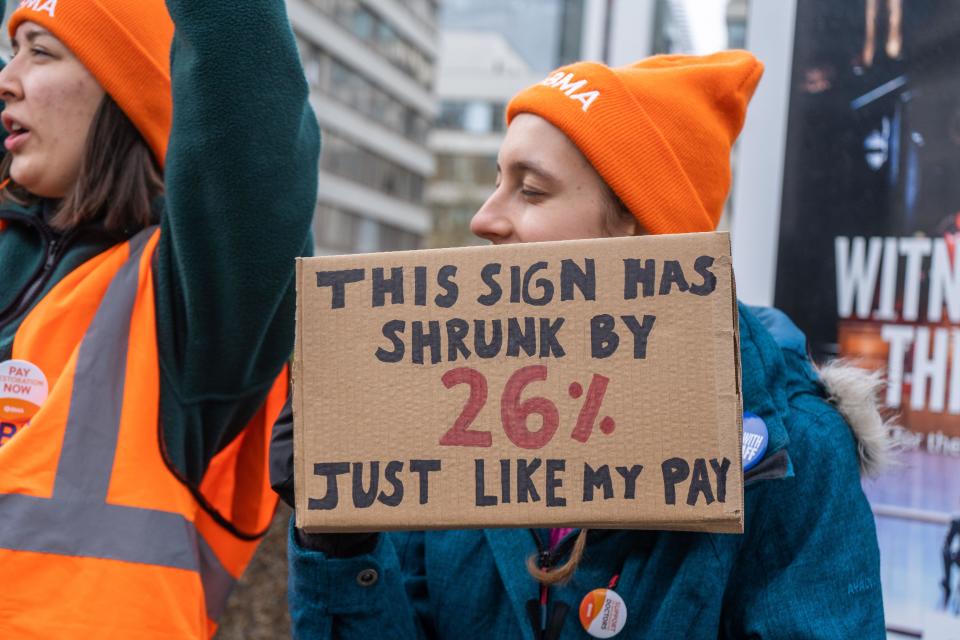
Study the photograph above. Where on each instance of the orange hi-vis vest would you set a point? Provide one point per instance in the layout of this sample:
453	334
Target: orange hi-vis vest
99	538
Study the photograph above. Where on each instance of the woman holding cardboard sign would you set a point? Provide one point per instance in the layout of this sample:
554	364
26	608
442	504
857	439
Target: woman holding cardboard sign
595	152
145	324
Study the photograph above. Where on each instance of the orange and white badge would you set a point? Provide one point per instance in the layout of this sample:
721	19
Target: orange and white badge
603	613
23	389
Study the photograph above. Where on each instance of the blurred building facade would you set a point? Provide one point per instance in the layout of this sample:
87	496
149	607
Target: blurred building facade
492	49
410	95
371	67
479	71
699	26
489	51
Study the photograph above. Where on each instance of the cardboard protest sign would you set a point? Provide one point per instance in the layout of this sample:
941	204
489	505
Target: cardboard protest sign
581	383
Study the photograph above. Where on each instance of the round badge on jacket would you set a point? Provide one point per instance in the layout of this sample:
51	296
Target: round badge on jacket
603	613
755	439
23	388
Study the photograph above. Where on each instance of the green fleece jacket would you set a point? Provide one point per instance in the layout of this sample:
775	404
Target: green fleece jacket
240	176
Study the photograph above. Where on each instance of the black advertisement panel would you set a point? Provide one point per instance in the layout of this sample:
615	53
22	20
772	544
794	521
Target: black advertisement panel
868	265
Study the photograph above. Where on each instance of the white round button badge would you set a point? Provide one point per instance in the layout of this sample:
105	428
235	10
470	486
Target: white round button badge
603	613
23	389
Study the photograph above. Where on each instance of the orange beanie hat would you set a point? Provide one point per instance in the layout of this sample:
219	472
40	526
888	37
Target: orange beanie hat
125	44
658	131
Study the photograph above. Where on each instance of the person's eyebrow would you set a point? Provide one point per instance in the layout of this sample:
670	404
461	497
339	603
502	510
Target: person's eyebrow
35	33
31	34
530	166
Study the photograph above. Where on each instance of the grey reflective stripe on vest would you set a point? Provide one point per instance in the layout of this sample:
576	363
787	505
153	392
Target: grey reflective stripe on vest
77	520
90	438
217	583
97	530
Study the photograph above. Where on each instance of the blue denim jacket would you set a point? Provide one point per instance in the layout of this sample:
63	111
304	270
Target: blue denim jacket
807	565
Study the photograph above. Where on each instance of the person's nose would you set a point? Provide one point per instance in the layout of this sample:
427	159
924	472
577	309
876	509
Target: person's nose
492	221
10	86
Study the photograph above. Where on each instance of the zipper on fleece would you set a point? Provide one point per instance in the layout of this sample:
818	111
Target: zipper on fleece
54	247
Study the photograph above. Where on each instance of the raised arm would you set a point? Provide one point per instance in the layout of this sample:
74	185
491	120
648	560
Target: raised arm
241	176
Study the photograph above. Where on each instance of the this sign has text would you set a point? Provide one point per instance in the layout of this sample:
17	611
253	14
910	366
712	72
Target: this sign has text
589	383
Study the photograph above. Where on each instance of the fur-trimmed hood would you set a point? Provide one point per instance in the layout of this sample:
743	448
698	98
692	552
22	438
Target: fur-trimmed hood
856	394
854	391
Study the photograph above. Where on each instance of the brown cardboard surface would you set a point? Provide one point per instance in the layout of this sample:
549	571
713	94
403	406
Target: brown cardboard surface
471	441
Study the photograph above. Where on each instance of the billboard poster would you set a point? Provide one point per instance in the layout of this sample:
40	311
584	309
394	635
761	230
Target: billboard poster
868	261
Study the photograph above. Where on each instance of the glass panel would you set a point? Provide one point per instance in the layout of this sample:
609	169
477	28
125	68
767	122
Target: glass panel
485	170
368	237
381	37
478	117
352	89
498	122
363	23
451	115
346	159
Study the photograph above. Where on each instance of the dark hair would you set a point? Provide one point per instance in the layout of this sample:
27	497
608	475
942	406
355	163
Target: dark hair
617	211
118	180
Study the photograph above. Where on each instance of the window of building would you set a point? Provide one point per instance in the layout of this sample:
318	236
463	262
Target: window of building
451	115
397	239
478	117
335	230
340	231
362	23
485	170
699	26
472	170
424	10
346	159
379	35
498	115
451	226
337	80
368	236
473	116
